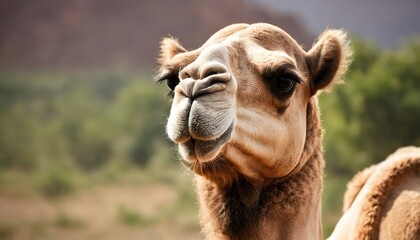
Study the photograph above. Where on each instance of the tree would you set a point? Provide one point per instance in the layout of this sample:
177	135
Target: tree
140	111
376	111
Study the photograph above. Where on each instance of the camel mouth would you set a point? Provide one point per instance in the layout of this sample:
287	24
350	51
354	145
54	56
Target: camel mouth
195	150
201	126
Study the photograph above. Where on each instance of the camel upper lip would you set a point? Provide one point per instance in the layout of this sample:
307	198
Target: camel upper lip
193	120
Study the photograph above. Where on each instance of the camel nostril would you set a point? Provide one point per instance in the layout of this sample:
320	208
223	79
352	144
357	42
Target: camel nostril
213	78
211	84
214	68
196	80
184	75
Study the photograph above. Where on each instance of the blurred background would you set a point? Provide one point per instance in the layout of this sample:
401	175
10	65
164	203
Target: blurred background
83	152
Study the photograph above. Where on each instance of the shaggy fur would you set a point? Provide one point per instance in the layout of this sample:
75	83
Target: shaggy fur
326	49
385	199
355	185
264	180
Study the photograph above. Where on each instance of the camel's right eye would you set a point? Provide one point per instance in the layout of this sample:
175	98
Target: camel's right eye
171	80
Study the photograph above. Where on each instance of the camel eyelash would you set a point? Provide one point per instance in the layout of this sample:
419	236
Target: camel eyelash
287	70
171	79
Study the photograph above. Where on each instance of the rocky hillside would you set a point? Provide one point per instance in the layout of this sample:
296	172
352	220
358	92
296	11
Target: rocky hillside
116	34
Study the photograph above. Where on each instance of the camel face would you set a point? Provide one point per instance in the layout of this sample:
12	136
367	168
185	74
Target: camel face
242	98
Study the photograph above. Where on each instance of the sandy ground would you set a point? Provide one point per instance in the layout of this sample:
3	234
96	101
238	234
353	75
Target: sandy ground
99	213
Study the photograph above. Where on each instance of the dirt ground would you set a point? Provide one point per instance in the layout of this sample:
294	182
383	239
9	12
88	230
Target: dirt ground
116	211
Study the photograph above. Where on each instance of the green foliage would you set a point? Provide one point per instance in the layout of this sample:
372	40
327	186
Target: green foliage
390	111
376	111
7	230
53	181
38	229
131	217
57	129
63	220
86	120
340	114
140	112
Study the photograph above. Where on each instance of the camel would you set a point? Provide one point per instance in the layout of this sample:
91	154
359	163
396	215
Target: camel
246	121
383	201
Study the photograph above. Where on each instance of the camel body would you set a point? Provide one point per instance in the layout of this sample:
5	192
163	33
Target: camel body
383	201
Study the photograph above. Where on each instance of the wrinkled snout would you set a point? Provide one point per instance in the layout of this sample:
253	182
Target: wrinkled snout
199	81
202	112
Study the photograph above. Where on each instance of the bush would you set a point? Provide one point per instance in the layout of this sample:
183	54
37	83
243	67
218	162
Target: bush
54	181
131	217
376	111
63	220
7	231
140	111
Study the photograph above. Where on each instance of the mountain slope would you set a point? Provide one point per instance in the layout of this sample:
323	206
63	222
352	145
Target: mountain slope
98	34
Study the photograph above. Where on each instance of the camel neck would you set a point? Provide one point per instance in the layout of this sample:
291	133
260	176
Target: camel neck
287	208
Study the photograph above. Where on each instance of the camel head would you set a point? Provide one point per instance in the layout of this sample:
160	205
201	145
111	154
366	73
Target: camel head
240	101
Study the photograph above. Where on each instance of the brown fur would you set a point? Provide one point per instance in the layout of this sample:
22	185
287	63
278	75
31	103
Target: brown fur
266	180
239	210
329	52
355	185
385	199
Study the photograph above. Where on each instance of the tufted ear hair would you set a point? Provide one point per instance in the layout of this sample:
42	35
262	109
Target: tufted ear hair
328	59
169	47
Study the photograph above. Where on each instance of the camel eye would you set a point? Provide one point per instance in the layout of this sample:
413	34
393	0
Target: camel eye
282	85
281	80
172	82
285	84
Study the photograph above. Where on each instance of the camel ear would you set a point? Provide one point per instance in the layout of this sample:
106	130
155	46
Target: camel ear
328	59
169	47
